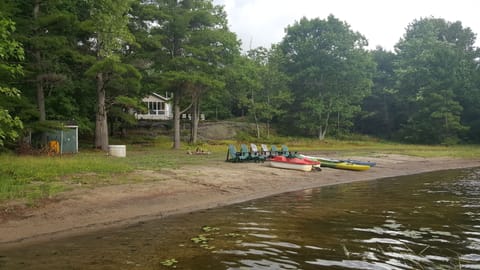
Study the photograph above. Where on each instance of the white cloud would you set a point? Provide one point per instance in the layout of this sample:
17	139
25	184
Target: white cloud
382	22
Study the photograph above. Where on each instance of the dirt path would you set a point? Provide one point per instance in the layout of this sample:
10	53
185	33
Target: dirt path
188	189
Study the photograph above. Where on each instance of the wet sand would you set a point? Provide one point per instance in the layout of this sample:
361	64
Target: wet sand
169	192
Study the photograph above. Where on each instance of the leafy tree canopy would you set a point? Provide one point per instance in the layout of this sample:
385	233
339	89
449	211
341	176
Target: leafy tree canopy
11	54
433	68
330	69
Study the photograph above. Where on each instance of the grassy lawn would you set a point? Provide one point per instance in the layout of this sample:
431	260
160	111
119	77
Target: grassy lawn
36	177
31	178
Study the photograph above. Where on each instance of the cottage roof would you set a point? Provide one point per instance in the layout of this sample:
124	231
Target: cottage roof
161	97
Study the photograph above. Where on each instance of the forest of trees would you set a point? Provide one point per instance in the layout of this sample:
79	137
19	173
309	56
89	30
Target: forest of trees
91	61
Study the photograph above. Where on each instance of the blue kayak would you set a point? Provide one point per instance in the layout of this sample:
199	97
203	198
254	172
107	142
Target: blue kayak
359	162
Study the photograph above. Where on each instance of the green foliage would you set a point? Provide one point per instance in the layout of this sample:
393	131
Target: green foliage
258	89
330	70
433	75
9	127
319	79
110	38
108	23
120	113
186	47
269	95
379	115
11	52
242	79
45	126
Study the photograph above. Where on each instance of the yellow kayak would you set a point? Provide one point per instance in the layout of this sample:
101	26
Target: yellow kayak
350	166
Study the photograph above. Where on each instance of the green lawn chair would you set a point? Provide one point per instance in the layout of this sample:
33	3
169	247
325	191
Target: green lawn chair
233	155
274	151
245	153
287	153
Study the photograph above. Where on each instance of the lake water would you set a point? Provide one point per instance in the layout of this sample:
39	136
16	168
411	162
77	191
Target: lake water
427	221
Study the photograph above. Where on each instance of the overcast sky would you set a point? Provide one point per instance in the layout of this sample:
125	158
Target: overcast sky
382	22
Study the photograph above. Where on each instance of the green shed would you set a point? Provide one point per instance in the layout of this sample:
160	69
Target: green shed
66	139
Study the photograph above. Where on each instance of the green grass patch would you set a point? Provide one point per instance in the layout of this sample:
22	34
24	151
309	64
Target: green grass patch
34	177
37	177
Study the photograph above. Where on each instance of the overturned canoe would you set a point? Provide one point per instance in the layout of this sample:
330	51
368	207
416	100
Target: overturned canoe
299	164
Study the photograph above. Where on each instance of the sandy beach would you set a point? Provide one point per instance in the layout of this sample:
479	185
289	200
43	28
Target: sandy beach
169	192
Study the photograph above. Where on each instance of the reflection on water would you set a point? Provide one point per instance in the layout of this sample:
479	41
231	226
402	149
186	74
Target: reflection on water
428	221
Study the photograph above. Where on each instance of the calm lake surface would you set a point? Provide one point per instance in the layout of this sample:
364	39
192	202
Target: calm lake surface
427	221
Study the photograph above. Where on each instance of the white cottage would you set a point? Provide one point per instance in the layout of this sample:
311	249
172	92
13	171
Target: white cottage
159	108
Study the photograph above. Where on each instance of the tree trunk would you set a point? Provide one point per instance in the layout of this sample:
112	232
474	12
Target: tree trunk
257	126
321	134
42	115
338	124
268	129
322	131
101	126
39	82
176	121
195	120
36	9
386	116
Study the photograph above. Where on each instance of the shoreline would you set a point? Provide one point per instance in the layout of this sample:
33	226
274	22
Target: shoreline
188	189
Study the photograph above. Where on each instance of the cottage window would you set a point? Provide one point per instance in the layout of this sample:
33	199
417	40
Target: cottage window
156	108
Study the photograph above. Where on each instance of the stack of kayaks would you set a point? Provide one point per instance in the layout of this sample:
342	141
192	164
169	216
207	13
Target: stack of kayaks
353	165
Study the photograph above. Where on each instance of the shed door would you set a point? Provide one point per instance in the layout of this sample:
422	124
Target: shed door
69	144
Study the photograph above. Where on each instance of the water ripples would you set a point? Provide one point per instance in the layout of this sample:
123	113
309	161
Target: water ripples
400	240
428	221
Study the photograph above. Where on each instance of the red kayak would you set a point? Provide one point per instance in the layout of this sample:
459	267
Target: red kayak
301	164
